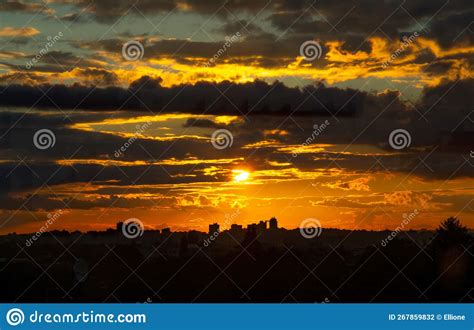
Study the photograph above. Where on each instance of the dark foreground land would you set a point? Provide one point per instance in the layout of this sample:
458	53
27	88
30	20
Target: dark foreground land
238	266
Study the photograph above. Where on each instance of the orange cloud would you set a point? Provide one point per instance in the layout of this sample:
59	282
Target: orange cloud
337	66
18	32
359	184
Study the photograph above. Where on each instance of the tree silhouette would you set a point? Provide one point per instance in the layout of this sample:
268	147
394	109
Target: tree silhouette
453	265
451	232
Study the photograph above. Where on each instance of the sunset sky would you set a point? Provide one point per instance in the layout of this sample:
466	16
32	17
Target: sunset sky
307	136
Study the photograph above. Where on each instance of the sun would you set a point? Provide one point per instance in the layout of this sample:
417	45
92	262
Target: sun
240	175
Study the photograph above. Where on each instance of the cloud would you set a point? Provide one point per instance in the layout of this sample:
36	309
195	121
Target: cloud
216	98
367	129
259	55
93	101
106	11
99	77
207	123
27	7
442	118
74	17
359	184
446	104
348	21
18	32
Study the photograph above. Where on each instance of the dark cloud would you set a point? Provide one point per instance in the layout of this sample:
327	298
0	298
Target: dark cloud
440	124
255	98
99	77
324	19
75	17
248	48
26	78
460	27
107	11
52	202
59	61
52	61
441	110
192	122
245	27
215	98
360	19
28	7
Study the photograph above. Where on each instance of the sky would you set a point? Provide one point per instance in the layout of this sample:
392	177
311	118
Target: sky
183	113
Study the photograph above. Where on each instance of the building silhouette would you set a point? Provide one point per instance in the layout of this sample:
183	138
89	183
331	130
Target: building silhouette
157	258
213	228
273	223
235	228
263	225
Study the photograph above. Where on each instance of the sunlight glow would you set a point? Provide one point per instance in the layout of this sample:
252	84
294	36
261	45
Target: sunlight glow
240	175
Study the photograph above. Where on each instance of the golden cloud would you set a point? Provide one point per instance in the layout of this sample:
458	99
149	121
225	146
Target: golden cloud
18	32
